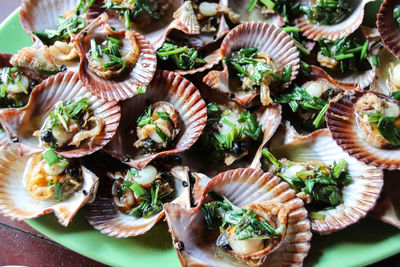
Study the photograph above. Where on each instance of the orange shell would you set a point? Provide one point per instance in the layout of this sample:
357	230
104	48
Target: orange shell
21	123
341	121
333	32
388	28
269	40
241	187
166	86
15	201
125	86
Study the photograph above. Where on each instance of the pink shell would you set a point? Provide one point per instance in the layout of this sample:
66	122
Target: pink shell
333	32
341	121
169	87
241	187
104	215
388	28
125	86
15	202
358	198
268	39
21	123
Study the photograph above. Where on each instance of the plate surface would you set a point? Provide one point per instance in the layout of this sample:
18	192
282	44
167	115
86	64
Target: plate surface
363	243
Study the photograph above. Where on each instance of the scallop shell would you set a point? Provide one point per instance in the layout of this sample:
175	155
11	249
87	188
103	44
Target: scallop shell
333	32
15	201
387	208
268	39
38	15
187	18
358	198
21	123
125	86
341	121
169	87
388	28
31	73
268	117
103	214
240	7
241	186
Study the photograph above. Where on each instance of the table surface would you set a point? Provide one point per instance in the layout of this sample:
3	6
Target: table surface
23	245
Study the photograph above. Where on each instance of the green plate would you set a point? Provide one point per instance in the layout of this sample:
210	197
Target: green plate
363	243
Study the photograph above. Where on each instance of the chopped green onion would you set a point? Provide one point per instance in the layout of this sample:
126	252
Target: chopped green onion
161	134
271	158
140	191
50	156
316	216
58	191
142	89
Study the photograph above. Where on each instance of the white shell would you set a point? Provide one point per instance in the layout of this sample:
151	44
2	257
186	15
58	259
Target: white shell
359	197
15	200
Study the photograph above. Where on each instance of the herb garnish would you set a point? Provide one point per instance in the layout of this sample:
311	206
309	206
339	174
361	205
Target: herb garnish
321	182
83	6
215	144
299	98
329	12
68	110
350	52
225	215
64	29
396	14
10	76
58	191
287	8
183	57
145	118
110	48
386	127
240	61
132	9
51	157
152	202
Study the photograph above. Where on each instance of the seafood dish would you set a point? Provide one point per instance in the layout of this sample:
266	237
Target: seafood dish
248	126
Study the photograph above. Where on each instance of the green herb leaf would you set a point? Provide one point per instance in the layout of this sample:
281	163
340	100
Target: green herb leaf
142	89
50	156
268	155
58	191
316	216
163	115
161	134
140	191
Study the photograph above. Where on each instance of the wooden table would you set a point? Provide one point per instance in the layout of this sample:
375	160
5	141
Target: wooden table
22	245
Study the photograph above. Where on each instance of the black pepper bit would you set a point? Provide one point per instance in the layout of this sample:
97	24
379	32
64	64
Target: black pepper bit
14	139
185	184
63	68
84	33
127	158
179	246
232	95
84	192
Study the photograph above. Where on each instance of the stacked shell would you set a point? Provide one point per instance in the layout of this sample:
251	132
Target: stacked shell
101	93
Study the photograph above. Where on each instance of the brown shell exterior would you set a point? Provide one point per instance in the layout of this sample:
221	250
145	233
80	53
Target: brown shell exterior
268	39
242	187
183	95
15	202
21	123
332	32
388	29
122	87
341	121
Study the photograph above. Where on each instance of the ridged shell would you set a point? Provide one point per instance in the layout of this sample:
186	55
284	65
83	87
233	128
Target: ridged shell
15	201
241	187
333	32
350	81
387	208
104	215
21	123
187	18
388	28
169	87
125	86
269	40
341	121
200	183
268	117
358	198
240	7
38	15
